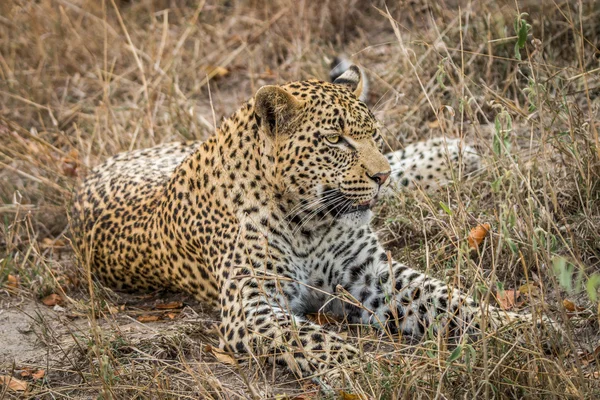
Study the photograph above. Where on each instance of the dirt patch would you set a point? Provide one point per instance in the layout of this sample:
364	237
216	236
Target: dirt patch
71	347
18	339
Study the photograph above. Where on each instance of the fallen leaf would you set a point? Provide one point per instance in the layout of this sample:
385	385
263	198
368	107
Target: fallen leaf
52	300
148	318
572	307
70	163
39	374
52	243
507	299
350	396
113	310
169	306
586	357
171	315
477	235
13	383
214	71
434	124
12	282
220	355
569	305
322	319
26	372
530	289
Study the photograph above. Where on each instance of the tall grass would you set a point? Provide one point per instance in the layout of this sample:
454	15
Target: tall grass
81	80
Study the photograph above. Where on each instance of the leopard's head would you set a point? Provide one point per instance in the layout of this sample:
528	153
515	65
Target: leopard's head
323	147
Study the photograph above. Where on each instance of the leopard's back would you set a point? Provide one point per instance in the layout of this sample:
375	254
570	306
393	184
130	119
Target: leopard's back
113	212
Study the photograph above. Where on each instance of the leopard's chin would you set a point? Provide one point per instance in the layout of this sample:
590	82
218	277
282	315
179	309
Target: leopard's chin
356	218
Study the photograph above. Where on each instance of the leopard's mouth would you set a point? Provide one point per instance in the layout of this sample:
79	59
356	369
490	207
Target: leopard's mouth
339	204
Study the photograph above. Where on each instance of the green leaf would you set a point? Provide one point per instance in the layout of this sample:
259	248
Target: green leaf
502	126
441	74
446	208
563	271
522	34
497	184
455	353
522	29
512	246
592	286
470	356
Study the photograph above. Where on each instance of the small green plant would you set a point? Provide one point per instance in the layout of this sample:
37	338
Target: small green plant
565	271
532	92
441	73
503	126
522	29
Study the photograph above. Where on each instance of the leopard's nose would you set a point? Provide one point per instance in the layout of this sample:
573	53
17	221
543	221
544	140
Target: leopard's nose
380	177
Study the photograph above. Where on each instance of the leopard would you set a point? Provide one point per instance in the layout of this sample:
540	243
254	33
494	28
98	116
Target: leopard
268	221
422	165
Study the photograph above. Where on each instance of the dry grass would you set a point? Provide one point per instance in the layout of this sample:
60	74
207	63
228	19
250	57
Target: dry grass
81	80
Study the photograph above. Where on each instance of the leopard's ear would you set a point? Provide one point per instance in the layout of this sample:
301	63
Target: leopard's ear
275	108
352	79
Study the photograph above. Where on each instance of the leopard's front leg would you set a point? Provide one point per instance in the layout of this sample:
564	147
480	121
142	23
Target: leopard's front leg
400	299
395	297
255	319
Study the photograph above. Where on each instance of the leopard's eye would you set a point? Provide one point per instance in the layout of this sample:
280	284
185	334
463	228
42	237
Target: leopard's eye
333	139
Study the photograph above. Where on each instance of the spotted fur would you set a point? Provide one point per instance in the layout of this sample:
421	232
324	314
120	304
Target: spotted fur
432	164
268	220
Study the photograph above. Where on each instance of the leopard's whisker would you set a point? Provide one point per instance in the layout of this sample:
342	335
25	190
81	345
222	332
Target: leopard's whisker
306	205
305	220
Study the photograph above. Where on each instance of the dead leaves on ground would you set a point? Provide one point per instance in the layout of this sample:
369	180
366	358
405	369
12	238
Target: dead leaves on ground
12	283
477	235
169	306
587	360
36	374
530	290
157	317
13	384
18	385
70	163
52	300
148	318
144	314
169	311
351	396
220	355
215	71
572	307
589	357
56	246
509	299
